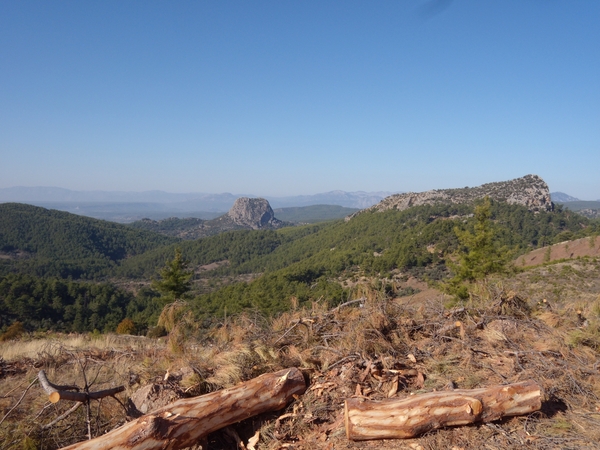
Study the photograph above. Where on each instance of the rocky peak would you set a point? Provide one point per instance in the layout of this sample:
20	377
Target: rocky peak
530	191
255	213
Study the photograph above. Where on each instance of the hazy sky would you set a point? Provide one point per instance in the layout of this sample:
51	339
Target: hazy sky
299	97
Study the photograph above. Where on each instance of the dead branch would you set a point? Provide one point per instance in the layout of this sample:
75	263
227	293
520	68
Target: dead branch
351	302
46	384
62	416
327	349
18	402
343	360
300	321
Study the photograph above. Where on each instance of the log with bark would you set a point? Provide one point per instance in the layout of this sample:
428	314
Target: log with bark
184	422
412	416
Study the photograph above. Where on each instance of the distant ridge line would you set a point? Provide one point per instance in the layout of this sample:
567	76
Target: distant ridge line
61	198
530	191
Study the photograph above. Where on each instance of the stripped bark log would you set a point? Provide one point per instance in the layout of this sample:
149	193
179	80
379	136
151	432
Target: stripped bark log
57	393
184	422
410	417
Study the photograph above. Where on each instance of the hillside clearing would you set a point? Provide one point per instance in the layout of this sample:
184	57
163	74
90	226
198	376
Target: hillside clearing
589	246
378	348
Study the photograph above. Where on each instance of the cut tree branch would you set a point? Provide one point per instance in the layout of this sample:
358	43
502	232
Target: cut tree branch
184	422
57	392
412	416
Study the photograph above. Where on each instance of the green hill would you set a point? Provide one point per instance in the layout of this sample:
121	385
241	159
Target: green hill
237	247
313	214
54	243
400	239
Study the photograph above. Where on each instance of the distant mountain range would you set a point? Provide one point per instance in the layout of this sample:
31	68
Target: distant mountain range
176	202
561	197
127	207
589	209
357	199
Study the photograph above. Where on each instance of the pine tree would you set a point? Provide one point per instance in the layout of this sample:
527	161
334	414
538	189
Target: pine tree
481	254
175	279
174	286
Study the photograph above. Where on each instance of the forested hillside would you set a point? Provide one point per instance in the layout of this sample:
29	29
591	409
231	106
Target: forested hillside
305	262
173	226
414	242
374	241
69	306
47	242
313	214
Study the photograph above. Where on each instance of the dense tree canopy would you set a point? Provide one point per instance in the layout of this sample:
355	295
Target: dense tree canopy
47	242
62	305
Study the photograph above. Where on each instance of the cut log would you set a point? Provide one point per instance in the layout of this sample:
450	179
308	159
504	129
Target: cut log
57	393
184	422
412	416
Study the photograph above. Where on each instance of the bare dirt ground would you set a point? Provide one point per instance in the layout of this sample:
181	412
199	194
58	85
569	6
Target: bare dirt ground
589	246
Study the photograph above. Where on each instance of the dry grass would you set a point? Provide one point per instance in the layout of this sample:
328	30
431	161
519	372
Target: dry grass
35	347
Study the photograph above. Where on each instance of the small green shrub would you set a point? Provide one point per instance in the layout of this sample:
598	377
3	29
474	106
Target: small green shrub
95	334
548	254
561	426
29	443
586	338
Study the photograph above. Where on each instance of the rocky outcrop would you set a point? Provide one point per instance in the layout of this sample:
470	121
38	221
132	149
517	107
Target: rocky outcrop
246	213
255	213
530	191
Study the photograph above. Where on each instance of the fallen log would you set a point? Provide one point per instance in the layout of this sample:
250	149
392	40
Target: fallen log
184	422
57	393
415	415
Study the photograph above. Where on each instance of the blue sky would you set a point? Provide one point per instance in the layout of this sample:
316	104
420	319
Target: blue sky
299	97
